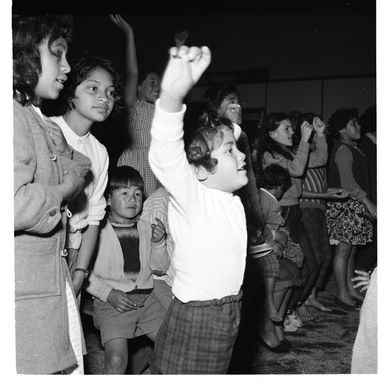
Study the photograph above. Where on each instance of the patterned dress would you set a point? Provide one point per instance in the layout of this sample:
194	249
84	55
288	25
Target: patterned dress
136	154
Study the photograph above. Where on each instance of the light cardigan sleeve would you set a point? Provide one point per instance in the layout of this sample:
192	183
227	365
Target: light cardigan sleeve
98	287
319	156
296	166
344	160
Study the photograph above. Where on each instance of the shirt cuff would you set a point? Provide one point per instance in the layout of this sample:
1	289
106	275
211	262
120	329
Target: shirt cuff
167	126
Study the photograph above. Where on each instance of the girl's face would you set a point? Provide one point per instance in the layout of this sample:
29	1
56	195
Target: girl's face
351	130
125	204
230	173
149	89
283	133
230	108
54	67
94	97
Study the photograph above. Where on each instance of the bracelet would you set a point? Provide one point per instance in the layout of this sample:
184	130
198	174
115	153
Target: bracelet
85	271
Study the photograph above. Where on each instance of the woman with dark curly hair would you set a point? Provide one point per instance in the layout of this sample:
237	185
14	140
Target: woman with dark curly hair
350	221
47	174
89	96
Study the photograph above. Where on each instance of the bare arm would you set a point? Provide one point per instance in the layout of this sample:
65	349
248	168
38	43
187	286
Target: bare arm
132	73
86	251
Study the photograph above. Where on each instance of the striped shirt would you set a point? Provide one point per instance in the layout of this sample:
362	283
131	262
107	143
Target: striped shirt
315	181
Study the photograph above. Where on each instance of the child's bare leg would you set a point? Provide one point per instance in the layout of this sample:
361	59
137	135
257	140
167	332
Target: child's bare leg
270	304
116	356
282	309
313	301
340	263
350	274
267	330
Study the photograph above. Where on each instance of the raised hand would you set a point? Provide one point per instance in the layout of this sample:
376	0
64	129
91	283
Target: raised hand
121	23
184	69
158	231
233	112
306	131
318	126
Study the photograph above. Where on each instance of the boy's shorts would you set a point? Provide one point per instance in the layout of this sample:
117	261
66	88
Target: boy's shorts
113	324
197	337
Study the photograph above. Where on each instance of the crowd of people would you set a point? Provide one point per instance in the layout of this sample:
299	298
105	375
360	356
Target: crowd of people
161	240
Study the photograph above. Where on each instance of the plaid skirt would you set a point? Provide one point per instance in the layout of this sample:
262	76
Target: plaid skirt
197	337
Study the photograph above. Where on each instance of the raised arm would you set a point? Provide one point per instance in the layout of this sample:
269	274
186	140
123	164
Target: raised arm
319	156
132	72
167	156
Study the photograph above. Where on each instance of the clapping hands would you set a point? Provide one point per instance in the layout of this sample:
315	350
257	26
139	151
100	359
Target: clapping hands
318	126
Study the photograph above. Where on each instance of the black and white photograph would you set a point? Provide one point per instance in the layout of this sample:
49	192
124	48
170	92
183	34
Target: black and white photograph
194	188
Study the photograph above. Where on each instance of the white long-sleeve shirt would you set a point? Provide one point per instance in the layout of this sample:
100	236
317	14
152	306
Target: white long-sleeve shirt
207	225
90	206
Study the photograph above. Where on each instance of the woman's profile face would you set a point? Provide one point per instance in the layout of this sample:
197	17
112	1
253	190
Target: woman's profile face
283	133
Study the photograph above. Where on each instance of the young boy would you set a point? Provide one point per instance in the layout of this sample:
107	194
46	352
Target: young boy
207	223
130	249
276	266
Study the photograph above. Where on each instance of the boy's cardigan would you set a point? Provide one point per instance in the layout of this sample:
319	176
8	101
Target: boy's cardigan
108	271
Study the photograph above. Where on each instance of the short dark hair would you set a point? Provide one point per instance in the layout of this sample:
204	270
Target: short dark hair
274	176
79	72
123	176
339	120
28	32
216	93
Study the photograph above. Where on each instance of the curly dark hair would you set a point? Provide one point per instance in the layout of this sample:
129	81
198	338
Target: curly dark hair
29	31
201	141
79	72
123	176
339	120
274	176
216	93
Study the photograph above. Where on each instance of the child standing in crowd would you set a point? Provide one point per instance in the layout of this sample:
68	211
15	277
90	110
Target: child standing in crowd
312	206
274	181
47	174
156	207
207	223
129	251
350	221
141	91
88	97
276	148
